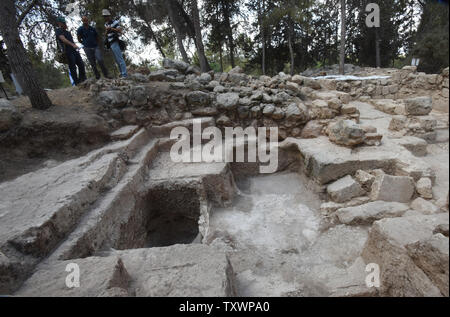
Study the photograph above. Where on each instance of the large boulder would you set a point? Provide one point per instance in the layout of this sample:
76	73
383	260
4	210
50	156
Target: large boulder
346	132
198	98
281	97
344	189
114	98
163	75
424	188
320	110
9	115
392	188
418	106
138	95
398	123
268	110
204	79
278	114
228	101
292	87
297	112
298	79
365	179
424	206
312	129
178	65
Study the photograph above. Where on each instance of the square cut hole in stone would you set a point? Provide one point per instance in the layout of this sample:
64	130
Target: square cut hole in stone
173	213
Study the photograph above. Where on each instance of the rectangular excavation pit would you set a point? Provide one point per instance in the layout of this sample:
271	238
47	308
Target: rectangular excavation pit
173	212
170	205
161	213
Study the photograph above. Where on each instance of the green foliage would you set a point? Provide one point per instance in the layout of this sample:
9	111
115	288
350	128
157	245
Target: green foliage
48	75
432	41
296	34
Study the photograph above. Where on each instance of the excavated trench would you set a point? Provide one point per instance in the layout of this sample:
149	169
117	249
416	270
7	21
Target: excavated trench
271	226
277	239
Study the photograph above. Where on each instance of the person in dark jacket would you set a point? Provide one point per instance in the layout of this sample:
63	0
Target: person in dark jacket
87	35
71	50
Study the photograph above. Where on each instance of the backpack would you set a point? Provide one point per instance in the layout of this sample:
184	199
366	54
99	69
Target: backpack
60	55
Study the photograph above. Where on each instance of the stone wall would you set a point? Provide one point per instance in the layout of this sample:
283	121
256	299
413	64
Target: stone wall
402	83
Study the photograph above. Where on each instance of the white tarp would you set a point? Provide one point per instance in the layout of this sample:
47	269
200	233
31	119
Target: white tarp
350	77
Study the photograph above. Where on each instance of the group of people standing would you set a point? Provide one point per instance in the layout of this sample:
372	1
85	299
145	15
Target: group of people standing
90	40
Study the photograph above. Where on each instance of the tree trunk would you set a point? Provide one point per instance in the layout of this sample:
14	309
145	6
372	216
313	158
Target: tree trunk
177	28
221	57
190	29
377	48
18	58
264	53
155	39
263	35
204	65
226	15
342	51
291	44
158	45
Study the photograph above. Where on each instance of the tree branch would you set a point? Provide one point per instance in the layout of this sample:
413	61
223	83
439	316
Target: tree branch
25	12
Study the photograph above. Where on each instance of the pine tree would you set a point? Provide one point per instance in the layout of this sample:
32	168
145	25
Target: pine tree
432	40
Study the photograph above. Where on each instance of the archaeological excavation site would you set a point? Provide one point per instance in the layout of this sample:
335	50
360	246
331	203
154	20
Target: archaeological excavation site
357	204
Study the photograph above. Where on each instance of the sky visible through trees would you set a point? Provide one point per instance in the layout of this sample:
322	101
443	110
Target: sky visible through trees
261	36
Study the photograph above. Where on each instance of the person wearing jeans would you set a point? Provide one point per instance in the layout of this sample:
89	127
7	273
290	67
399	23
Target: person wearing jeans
113	31
94	56
87	35
71	50
75	61
118	56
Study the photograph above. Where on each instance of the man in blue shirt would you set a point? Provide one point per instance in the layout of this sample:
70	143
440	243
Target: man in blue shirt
87	35
69	47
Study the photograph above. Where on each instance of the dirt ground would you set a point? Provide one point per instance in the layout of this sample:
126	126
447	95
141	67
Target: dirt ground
66	97
72	107
69	104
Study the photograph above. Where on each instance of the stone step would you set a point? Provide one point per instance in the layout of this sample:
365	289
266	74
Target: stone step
216	177
181	270
39	210
165	130
325	161
124	132
101	227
